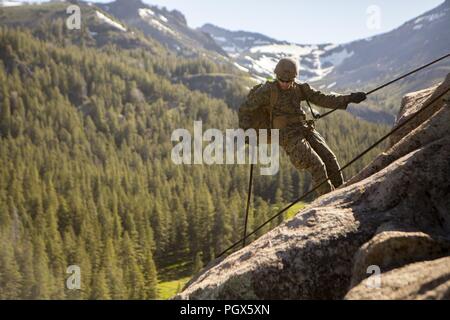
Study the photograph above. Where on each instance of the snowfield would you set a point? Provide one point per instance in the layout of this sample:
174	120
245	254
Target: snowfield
219	39
290	50
338	57
10	3
431	17
149	16
241	67
315	62
163	19
112	23
145	13
158	25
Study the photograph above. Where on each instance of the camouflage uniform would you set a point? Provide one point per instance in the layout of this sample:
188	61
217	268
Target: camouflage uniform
306	148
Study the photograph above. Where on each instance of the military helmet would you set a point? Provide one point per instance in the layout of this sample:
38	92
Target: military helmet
287	69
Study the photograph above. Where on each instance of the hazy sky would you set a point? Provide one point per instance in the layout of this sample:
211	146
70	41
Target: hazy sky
300	21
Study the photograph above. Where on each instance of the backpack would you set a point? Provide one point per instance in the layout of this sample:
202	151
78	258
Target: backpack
260	118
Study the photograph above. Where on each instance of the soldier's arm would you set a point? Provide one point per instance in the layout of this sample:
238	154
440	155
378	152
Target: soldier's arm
331	101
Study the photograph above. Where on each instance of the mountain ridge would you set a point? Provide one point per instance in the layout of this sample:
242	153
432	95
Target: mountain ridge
219	34
357	65
168	27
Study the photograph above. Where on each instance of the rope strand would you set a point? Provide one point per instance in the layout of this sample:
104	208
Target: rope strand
248	202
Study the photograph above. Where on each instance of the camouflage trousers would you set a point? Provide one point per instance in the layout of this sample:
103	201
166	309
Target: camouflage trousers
308	150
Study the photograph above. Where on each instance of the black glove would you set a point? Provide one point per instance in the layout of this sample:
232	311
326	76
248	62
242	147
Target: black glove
358	97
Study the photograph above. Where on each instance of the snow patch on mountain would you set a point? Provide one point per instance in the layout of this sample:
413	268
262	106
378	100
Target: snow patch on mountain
109	21
152	18
163	19
241	67
315	61
261	42
219	39
145	13
337	58
431	17
330	47
260	54
292	50
10	3
263	66
232	51
161	27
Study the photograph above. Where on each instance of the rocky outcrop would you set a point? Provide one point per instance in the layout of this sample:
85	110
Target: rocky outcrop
412	103
422	280
429	126
395	246
394	216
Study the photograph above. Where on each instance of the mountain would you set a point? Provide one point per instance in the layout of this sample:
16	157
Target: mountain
358	65
414	43
5	3
106	25
170	30
247	57
47	21
168	27
235	42
259	54
122	19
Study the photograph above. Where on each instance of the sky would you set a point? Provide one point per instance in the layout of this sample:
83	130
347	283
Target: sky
302	21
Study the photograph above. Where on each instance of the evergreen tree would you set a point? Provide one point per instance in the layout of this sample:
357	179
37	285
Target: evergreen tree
197	263
10	275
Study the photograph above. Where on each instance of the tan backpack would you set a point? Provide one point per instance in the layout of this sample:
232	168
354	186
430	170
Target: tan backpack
260	118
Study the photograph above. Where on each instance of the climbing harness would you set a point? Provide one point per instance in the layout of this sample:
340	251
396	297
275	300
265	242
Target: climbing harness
431	103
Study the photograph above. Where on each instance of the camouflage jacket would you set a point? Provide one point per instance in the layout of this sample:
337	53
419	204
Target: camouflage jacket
289	101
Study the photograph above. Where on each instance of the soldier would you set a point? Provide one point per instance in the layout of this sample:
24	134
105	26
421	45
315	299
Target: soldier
277	105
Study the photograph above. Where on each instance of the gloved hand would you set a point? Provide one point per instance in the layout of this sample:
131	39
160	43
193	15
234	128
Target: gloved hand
358	97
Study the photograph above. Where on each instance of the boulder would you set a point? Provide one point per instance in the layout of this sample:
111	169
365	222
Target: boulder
428	280
395	246
413	102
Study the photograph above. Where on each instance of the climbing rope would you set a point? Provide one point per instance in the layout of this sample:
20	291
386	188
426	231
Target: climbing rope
250	184
318	117
342	169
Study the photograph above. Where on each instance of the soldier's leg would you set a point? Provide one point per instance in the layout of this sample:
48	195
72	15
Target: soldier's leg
319	145
303	156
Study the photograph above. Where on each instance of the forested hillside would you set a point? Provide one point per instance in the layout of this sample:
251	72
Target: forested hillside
87	179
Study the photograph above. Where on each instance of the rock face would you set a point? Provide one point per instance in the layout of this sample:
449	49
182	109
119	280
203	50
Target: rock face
412	103
393	217
422	280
